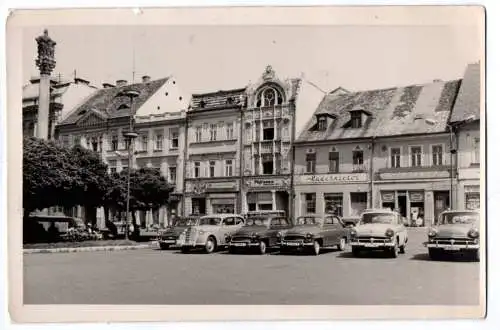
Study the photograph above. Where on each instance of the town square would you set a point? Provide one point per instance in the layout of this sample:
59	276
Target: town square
241	181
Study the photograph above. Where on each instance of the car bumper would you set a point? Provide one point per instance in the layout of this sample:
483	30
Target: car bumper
296	245
374	245
450	247
243	245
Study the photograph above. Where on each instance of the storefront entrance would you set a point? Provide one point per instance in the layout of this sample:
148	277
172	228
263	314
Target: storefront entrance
441	203
198	206
267	201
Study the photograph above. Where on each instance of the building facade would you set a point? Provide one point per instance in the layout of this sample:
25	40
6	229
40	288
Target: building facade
212	172
380	148
159	118
465	120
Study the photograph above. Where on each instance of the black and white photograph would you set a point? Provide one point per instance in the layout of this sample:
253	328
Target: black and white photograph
247	158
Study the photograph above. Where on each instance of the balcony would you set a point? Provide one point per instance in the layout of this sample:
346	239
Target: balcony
266	147
359	168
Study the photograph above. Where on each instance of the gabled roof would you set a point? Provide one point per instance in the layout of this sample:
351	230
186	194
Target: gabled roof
113	103
218	99
394	111
469	96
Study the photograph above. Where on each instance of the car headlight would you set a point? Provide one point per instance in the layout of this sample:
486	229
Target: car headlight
309	235
201	232
228	238
432	232
279	234
389	232
473	233
354	233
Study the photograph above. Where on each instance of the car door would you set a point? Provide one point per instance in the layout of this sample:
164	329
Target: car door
337	230
327	231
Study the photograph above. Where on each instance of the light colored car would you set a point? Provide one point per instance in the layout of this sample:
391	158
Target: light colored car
379	229
456	231
210	232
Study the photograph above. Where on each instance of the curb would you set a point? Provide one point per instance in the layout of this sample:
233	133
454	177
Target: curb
90	249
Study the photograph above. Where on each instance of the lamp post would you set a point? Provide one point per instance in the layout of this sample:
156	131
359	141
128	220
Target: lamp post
129	136
453	151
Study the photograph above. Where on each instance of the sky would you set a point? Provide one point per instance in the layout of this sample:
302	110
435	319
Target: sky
210	58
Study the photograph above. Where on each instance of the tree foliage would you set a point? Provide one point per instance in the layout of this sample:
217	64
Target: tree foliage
55	175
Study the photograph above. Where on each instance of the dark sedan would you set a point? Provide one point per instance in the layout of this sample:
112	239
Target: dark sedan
312	233
169	237
259	234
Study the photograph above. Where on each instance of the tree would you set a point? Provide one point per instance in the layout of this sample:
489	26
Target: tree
55	175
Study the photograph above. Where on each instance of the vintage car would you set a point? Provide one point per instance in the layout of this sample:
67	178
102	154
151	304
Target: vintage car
169	236
456	231
210	232
379	229
260	233
311	233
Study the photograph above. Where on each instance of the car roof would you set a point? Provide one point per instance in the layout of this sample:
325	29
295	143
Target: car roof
222	215
460	211
380	211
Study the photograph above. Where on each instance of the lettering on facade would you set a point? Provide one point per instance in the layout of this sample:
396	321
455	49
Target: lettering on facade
388	196
331	178
414	175
416	196
263	183
203	187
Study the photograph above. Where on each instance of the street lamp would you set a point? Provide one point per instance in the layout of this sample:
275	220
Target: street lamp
129	136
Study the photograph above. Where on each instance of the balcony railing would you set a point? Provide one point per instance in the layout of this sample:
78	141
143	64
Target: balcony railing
266	147
358	168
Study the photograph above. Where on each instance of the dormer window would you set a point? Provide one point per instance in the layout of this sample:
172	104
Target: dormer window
356	119
322	121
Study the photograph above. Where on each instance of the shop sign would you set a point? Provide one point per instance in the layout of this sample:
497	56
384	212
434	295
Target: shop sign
222	201
387	196
221	185
474	188
414	175
331	178
416	196
263	183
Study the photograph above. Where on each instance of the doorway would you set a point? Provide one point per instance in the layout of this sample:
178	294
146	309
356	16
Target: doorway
441	203
402	205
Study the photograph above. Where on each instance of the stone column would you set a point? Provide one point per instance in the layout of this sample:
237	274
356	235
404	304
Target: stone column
273	198
46	64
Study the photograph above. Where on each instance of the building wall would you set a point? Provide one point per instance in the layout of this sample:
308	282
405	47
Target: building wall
469	166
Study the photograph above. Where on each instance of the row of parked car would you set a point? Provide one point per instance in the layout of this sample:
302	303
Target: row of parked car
377	229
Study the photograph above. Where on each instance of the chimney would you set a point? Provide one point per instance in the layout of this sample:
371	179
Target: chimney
121	83
107	85
81	81
146	79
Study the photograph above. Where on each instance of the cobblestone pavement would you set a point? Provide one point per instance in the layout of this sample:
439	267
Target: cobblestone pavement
169	277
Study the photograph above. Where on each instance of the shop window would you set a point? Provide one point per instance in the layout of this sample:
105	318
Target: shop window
212	169
416	156
477	151
472	200
196	169
333	158
395	157
198	206
437	154
359	202
333	204
265	206
310	203
252	207
311	162
357	161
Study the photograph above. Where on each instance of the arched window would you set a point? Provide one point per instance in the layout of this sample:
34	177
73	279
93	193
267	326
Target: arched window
269	97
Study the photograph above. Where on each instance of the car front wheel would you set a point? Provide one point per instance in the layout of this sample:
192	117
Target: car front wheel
210	245
394	251
164	246
262	247
316	248
341	245
434	254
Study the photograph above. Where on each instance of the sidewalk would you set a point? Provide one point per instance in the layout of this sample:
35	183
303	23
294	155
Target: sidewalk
149	245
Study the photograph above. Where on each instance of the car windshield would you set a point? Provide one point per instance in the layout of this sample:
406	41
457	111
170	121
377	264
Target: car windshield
386	218
182	222
257	221
307	221
210	221
460	218
279	221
